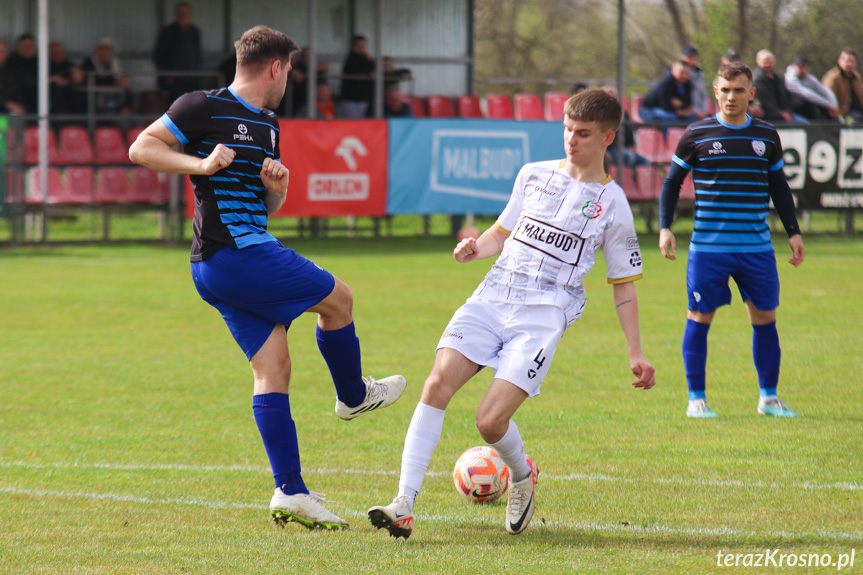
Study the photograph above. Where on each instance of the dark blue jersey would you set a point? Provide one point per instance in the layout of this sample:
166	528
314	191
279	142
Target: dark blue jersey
731	169
229	205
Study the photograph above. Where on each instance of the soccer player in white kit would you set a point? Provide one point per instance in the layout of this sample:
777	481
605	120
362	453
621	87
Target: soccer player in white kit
558	216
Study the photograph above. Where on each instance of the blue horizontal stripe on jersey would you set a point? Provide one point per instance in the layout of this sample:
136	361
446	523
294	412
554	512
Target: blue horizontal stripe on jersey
257	188
222	179
728	138
734	216
245	236
232	145
722	157
236	161
734	227
729	182
246	120
680	162
236	193
715	170
729	205
235	218
227	205
752	238
172	127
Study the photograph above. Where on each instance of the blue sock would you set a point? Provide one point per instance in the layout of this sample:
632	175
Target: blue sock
695	357
341	351
767	356
273	416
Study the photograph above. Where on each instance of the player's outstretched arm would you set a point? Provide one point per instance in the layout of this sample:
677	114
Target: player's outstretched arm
626	302
489	244
798	252
154	149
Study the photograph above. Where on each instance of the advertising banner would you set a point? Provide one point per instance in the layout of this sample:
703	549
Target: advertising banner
338	168
824	165
463	166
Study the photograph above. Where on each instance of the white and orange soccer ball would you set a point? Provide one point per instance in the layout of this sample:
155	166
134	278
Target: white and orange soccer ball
480	475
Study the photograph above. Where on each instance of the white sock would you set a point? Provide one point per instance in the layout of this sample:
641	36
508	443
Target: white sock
511	450
420	442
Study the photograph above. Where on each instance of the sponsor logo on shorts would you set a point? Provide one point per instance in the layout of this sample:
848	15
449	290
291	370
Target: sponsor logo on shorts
635	259
632	243
453	333
697	296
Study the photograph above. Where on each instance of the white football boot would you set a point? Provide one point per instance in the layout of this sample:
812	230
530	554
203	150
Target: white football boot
775	407
307	509
699	408
397	517
521	500
379	394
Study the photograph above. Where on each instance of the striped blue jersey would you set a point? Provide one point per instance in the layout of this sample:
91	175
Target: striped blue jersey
229	205
730	167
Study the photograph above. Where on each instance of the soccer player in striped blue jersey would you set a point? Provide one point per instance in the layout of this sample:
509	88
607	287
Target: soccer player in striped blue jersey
231	151
736	164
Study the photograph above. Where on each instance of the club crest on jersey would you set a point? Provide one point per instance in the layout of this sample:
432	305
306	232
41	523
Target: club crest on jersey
243	134
591	209
759	147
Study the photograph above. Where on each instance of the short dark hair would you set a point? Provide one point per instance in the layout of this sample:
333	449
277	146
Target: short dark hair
261	45
595	105
357	38
734	69
850	51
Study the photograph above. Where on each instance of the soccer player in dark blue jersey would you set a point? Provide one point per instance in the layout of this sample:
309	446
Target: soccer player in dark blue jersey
231	151
736	164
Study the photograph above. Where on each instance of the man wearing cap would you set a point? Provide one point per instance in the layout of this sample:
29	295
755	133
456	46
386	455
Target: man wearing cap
700	101
108	74
845	82
814	101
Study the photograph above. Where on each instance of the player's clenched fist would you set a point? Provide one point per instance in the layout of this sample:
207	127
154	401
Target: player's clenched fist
220	158
275	176
466	250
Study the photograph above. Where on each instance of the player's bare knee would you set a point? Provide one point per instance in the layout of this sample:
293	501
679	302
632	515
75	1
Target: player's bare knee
437	391
491	427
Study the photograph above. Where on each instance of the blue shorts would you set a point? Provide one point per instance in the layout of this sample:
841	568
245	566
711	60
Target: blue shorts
755	274
258	287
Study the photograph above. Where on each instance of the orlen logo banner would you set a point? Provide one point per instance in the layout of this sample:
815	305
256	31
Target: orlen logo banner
338	168
463	166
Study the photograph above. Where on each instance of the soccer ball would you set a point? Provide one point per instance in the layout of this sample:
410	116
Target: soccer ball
480	475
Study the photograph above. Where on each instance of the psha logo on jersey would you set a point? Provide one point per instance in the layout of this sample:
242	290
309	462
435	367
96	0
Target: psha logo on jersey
717	149
243	134
759	147
591	209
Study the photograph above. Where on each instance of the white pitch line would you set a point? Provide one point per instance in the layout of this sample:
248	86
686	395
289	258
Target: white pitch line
578	526
591	477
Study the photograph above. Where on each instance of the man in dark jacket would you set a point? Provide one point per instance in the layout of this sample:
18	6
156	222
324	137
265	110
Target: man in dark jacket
357	80
671	99
770	91
178	47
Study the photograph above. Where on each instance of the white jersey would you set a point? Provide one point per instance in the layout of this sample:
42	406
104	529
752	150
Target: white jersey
556	226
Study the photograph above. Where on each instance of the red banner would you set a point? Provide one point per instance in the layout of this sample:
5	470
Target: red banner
338	168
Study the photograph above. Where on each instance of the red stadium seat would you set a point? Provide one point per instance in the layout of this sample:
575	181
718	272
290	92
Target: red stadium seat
649	183
56	187
148	187
528	107
112	186
31	146
651	144
75	146
554	102
418	109
499	107
687	190
133	133
110	146
468	106
672	138
627	182
79	186
637	100
440	106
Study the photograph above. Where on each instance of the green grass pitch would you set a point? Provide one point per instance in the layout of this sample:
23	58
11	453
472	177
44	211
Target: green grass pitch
127	443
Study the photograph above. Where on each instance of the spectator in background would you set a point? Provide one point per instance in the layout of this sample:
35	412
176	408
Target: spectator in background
395	105
631	159
670	100
700	99
108	74
23	66
770	91
8	85
730	56
67	95
393	75
357	83
846	84
813	101
325	106
579	87
228	68
178	47
298	76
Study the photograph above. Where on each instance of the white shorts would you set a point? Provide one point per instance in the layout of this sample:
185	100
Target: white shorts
517	341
